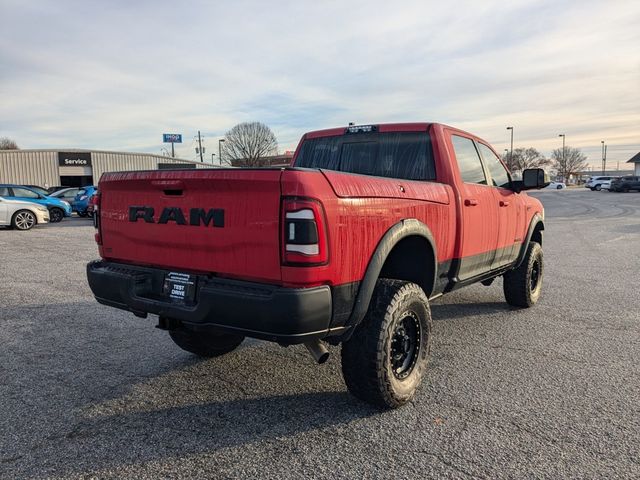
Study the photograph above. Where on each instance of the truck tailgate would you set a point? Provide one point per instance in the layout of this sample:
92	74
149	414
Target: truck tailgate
220	221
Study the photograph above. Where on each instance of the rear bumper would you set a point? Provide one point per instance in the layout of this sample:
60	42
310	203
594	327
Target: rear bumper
283	315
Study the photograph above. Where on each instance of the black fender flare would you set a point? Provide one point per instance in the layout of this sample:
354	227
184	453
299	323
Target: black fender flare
405	228
535	221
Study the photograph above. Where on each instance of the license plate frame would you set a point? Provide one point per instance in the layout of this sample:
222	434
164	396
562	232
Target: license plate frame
180	287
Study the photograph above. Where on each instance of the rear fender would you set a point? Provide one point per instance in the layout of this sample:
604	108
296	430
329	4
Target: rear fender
401	230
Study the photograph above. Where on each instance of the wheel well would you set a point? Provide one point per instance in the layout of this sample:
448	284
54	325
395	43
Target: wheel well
411	259
537	233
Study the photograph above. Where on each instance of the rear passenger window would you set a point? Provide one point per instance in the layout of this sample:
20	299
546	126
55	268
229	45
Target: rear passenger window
471	170
499	175
405	155
4	192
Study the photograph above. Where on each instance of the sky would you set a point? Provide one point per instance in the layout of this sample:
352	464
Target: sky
117	75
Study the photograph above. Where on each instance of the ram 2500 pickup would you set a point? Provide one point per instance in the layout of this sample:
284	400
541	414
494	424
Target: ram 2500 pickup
346	246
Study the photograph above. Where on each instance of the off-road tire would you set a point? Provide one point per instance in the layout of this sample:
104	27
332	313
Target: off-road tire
24	220
367	355
56	215
205	344
522	286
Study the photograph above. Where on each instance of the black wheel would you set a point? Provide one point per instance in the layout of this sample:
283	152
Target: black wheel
205	344
82	214
56	215
598	188
23	220
559	187
591	188
385	359
522	286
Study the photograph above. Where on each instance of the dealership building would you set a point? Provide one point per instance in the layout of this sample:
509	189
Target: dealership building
77	168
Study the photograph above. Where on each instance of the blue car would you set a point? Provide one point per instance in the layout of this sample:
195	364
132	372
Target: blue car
81	202
58	209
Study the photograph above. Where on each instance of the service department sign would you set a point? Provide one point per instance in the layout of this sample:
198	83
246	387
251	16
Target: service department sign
74	159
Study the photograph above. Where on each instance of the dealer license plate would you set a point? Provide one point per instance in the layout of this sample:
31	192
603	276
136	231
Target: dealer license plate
180	287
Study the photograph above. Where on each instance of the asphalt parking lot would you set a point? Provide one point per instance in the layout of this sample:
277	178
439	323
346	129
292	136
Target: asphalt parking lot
549	392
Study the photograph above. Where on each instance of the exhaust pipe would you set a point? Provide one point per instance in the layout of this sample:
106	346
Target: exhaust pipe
317	350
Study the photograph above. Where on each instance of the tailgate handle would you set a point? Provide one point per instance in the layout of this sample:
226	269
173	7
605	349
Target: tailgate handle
470	202
169	187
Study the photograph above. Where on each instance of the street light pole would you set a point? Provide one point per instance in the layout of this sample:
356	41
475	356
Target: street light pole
220	150
604	168
564	160
511	153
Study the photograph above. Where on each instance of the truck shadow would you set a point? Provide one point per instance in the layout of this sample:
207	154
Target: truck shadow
124	396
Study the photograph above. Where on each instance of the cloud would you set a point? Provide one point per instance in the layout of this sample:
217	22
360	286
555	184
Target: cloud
116	75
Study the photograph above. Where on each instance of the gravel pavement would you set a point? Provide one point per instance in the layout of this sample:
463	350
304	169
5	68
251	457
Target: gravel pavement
550	392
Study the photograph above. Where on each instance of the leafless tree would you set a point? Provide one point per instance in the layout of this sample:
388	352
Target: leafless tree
8	144
247	144
524	158
572	161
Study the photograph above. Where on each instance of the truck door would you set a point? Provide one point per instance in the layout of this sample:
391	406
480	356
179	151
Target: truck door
509	206
479	222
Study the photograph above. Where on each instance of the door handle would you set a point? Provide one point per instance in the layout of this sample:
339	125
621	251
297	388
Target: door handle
504	203
470	202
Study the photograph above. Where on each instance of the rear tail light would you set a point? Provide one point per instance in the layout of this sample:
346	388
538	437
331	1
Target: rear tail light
95	200
304	235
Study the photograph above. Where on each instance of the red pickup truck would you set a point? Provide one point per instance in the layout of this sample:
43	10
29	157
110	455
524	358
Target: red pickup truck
346	246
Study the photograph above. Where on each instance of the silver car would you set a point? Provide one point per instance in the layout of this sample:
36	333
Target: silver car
22	215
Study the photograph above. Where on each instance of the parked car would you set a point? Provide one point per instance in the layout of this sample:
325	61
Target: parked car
595	183
606	184
625	184
58	209
81	202
556	185
93	201
66	194
22	215
347	246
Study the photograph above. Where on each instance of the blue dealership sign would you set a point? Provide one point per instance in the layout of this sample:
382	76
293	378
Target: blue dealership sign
172	138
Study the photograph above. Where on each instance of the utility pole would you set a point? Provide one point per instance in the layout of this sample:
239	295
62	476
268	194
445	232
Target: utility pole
605	158
564	160
200	146
220	150
603	165
511	153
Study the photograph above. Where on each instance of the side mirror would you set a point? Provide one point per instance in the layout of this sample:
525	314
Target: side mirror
534	178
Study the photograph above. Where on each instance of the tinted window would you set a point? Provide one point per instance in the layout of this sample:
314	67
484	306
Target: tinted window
499	175
395	155
468	160
23	192
4	192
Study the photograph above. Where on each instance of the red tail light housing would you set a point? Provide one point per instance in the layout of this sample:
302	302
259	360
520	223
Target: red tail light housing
95	201
303	236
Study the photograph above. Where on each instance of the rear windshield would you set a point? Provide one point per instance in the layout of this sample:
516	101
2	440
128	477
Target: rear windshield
405	155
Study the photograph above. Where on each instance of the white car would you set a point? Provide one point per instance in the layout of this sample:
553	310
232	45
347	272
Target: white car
606	184
22	215
595	183
556	185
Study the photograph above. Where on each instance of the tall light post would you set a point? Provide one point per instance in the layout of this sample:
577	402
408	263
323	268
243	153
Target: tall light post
564	160
220	150
604	167
511	153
